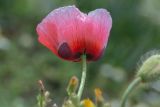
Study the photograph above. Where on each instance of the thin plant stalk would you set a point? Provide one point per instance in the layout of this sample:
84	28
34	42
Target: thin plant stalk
83	78
41	96
41	101
134	83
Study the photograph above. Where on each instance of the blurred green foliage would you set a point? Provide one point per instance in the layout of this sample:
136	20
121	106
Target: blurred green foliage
23	61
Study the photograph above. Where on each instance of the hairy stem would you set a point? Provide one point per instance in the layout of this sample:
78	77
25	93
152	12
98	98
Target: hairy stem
83	78
134	83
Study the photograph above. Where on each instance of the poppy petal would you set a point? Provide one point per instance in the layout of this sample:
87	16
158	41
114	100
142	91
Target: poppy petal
63	26
99	23
47	36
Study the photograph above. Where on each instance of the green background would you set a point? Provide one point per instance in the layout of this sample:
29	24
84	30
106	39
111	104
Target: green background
23	61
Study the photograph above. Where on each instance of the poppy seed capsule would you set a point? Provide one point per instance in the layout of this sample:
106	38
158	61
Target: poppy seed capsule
150	69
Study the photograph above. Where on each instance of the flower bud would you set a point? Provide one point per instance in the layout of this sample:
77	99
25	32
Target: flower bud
150	69
43	97
72	86
87	103
98	94
47	97
41	85
99	97
68	103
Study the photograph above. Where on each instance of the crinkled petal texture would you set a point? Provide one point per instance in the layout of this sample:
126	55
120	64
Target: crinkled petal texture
69	33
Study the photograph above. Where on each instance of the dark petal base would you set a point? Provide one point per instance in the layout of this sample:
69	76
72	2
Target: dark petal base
65	52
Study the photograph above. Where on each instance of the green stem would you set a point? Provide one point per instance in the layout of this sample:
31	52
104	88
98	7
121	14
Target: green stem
83	78
41	100
134	83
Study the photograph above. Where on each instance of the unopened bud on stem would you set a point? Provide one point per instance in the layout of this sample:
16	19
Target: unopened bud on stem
72	86
99	98
43	97
150	69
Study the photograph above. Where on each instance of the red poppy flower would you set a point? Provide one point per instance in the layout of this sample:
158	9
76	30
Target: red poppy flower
69	33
